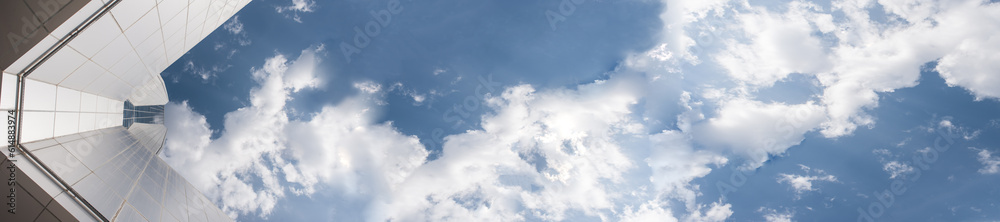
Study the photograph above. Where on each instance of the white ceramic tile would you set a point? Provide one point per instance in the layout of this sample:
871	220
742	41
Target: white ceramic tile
57	67
193	36
118	105
80	81
196	18
226	12
126	63
175	47
8	92
39	96
87	71
112	53
101	120
116	120
128	12
96	36
197	8
66	123
100	83
150	46
74	209
170	9
88	102
102	104
36	126
142	29
175	25
160	64
118	89
33	53
87	121
67	100
106	120
151	60
212	20
136	75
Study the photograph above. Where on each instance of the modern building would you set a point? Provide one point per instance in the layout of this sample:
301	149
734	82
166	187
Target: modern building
84	99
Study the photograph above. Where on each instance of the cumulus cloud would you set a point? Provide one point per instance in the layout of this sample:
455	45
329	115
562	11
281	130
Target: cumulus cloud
539	155
544	153
780	44
853	56
844	48
756	129
255	142
804	183
973	66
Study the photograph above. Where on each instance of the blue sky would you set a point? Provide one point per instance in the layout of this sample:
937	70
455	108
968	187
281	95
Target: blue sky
585	110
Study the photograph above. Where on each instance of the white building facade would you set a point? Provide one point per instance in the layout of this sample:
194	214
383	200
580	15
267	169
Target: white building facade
84	97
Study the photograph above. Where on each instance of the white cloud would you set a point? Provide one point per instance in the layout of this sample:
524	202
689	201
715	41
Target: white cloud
897	169
853	56
716	213
342	147
772	215
650	211
235	27
674	163
974	64
255	142
756	129
301	74
991	164
298	6
539	155
780	44
205	74
543	154
188	131
368	87
803	183
546	140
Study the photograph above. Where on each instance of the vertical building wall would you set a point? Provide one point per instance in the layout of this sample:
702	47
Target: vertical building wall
72	116
124	51
118	57
25	23
118	172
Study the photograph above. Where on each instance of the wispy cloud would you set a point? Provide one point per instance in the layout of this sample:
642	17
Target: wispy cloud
205	74
804	183
298	6
772	215
991	164
235	27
